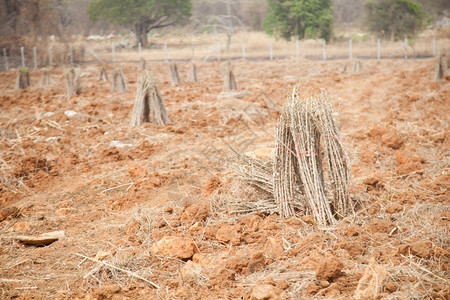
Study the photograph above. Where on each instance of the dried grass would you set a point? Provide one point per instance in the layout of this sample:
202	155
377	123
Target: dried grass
45	80
142	65
72	79
357	66
174	75
298	180
193	73
229	81
119	83
103	76
148	103
23	78
441	66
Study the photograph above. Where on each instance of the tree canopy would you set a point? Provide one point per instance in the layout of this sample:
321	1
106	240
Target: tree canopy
301	18
393	19
143	15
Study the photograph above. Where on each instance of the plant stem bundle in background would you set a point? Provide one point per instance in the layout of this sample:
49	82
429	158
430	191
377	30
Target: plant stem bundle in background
23	78
119	82
72	78
148	104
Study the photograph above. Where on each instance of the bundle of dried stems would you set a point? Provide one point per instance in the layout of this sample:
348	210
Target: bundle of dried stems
103	76
23	78
229	81
45	80
310	168
174	76
72	79
119	82
148	104
193	73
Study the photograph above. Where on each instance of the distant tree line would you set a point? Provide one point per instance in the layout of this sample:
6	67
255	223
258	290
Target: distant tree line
283	18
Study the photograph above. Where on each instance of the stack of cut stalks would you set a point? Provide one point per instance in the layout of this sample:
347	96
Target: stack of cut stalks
310	169
148	104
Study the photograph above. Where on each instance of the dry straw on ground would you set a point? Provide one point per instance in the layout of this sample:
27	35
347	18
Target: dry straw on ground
72	79
174	76
119	82
307	135
23	78
229	81
103	76
193	73
148	104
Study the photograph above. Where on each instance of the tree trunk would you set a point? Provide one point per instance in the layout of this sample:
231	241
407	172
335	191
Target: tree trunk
141	34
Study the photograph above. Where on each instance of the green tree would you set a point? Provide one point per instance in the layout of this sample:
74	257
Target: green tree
301	18
395	19
143	15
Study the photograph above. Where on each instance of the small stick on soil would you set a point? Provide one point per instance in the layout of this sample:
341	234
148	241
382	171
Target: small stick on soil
103	75
229	82
119	82
132	274
23	78
174	76
193	73
117	187
148	104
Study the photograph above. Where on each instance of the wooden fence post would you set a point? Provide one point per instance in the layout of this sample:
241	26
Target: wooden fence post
70	55
378	49
35	57
406	48
271	50
22	56
113	50
218	51
50	59
139	51
6	59
166	56
350	52
434	47
324	50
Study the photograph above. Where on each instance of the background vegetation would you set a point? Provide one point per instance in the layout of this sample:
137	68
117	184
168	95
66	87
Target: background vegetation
284	18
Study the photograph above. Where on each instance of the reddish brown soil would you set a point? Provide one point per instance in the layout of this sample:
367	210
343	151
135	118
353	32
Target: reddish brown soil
163	205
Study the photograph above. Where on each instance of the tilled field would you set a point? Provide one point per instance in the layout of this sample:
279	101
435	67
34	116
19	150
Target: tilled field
158	212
